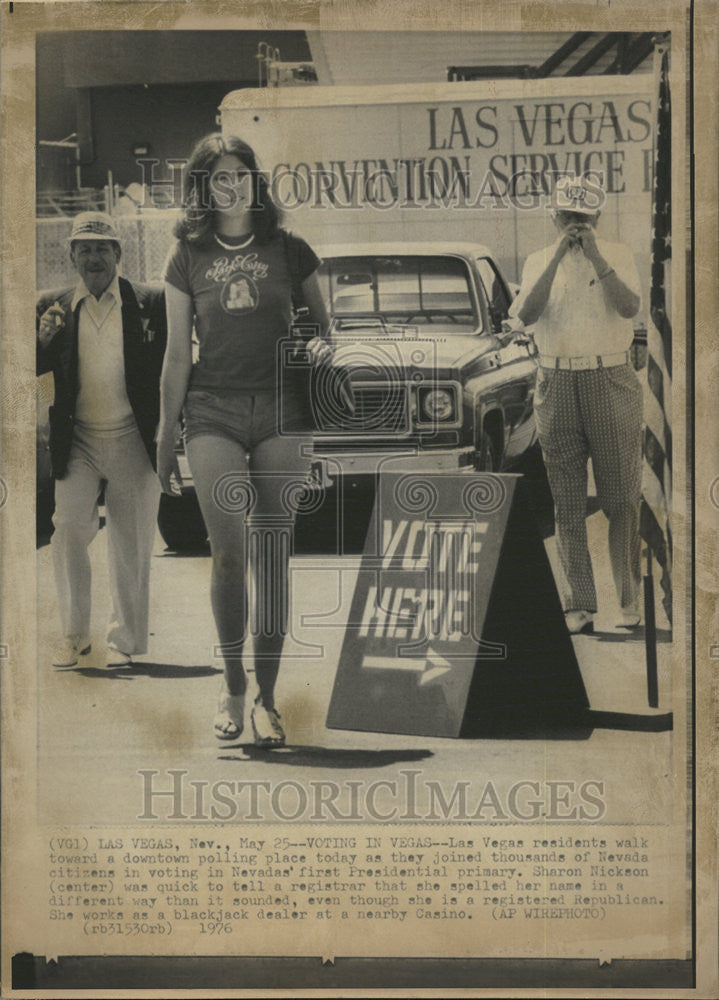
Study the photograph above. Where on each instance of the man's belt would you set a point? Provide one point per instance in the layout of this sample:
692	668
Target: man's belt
583	362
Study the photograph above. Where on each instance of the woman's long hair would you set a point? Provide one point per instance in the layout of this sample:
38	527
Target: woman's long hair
197	224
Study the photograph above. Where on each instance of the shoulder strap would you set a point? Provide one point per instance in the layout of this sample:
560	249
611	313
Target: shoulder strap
298	298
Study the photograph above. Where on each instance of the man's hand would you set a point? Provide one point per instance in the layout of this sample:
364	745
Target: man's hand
567	240
50	322
581	235
587	241
168	468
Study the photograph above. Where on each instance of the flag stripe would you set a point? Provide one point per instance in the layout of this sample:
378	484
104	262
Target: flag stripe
661	248
654	418
657	478
653	534
651	529
654	454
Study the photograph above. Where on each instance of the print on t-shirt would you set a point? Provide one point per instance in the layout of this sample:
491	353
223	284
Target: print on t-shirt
240	293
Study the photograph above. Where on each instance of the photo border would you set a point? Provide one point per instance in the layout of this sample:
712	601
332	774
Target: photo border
477	974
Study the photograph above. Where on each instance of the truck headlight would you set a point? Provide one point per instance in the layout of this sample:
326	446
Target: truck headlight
437	404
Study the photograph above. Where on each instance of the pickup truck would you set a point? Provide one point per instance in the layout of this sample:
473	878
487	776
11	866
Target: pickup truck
439	376
437	371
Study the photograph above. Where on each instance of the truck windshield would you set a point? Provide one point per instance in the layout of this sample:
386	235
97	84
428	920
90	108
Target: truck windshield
374	292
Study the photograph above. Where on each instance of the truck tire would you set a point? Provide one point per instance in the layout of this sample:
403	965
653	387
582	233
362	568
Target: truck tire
181	523
44	509
486	460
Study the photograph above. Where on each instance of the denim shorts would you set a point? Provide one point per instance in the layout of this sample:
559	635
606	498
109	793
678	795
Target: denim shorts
247	418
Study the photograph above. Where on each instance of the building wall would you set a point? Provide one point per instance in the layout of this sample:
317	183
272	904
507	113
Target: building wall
168	118
55	100
112	58
119	88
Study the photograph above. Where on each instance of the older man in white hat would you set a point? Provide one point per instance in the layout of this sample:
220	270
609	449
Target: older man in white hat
104	340
579	295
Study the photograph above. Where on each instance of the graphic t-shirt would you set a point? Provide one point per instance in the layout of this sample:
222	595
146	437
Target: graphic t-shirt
242	302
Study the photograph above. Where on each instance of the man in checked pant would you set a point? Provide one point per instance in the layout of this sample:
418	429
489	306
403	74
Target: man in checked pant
580	295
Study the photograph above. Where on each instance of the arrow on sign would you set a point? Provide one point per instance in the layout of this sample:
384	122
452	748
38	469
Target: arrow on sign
431	666
436	666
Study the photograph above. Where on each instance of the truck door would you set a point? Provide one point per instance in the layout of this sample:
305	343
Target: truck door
517	364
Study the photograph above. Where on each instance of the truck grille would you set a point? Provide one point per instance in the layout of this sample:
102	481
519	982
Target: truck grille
379	410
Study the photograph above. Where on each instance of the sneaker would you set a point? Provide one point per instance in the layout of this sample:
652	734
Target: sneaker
70	650
579	622
630	616
266	727
116	657
230	718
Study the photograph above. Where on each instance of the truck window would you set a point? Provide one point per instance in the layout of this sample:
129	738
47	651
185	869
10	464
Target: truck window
497	296
424	291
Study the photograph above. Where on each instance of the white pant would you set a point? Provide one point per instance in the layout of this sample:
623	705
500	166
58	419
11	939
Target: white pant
131	497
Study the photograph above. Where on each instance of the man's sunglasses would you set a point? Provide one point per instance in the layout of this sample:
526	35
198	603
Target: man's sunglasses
573	218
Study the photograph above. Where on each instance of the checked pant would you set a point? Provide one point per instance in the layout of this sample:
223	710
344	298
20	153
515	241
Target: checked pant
594	413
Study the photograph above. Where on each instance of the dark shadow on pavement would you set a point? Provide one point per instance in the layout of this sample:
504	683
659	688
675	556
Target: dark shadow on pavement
545	730
158	670
580	729
632	721
314	756
201	551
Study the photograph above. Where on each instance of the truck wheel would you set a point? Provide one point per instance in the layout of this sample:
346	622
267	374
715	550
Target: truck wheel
44	509
486	460
181	523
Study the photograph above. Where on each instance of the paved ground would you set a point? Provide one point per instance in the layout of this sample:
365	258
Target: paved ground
97	727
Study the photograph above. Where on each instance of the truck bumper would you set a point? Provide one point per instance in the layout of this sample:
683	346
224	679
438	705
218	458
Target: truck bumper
327	466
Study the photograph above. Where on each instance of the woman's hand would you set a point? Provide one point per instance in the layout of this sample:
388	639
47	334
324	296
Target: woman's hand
320	355
319	351
168	468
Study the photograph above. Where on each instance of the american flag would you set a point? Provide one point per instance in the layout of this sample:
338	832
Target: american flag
657	474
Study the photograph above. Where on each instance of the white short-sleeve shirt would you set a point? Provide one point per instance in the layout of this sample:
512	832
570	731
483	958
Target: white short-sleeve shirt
577	320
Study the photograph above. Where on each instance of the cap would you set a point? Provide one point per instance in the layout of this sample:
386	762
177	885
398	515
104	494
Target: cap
577	194
94	226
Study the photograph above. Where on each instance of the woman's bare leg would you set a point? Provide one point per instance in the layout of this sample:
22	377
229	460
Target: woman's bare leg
220	471
278	467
